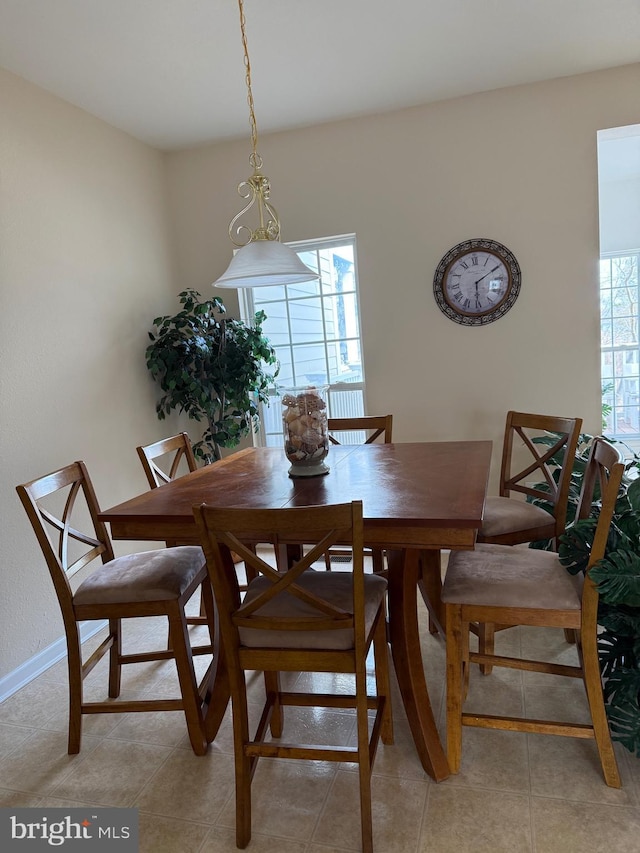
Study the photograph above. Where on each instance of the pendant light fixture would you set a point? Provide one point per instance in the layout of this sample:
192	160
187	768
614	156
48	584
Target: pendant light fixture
261	258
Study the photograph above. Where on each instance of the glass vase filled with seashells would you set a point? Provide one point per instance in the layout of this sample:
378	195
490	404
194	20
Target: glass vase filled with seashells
306	437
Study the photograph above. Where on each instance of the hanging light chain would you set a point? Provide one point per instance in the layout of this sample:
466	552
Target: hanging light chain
255	160
256	189
268	261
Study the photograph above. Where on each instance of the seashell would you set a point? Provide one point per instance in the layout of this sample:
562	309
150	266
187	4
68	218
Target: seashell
311	436
296	427
311	402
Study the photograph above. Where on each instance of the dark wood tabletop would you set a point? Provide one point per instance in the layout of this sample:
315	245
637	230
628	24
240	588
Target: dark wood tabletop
426	494
418	498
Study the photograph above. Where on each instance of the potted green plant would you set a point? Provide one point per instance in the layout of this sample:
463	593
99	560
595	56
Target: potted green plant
617	577
213	368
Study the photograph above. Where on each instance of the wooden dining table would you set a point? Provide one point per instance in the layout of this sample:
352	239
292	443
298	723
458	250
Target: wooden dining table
418	499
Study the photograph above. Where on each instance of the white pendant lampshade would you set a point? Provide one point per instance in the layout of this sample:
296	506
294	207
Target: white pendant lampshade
265	262
261	258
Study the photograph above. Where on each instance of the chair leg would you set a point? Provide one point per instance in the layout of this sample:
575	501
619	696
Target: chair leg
466	665
364	764
208	609
454	686
593	685
383	682
115	653
377	561
192	702
74	665
486	644
243	764
570	636
272	686
430	585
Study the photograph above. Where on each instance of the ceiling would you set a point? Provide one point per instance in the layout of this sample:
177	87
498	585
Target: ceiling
170	72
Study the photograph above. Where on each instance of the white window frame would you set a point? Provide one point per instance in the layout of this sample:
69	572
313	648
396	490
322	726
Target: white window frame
339	405
623	422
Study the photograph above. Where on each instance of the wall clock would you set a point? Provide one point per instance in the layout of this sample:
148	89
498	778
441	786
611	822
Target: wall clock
476	282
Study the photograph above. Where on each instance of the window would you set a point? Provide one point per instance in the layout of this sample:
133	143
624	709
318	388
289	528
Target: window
315	330
620	346
619	194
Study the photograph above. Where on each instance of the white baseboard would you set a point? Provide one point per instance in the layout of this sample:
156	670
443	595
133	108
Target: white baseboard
39	663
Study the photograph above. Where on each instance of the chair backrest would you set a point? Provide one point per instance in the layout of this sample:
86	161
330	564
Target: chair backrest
539	476
179	445
223	531
55	504
602	478
371	427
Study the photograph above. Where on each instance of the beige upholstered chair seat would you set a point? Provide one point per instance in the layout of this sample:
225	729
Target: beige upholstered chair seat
336	587
65	515
504	576
296	620
507	585
507	515
147	576
531	452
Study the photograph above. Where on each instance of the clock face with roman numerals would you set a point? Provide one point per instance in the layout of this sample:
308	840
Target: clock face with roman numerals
476	282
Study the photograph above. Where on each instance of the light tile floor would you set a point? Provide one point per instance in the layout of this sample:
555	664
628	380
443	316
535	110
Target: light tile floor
514	792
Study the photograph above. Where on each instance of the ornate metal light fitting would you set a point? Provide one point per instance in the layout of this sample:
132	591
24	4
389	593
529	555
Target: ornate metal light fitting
261	259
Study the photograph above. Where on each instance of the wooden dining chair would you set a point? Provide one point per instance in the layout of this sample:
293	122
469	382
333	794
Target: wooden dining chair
162	462
176	454
63	510
514	586
367	429
298	620
370	427
529	469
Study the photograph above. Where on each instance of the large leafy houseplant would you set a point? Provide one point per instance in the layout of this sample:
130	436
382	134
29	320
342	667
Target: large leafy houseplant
212	368
617	577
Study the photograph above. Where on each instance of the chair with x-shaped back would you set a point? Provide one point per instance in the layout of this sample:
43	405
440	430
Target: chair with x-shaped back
538	453
536	470
163	461
176	452
365	429
298	620
541	471
528	586
368	427
64	513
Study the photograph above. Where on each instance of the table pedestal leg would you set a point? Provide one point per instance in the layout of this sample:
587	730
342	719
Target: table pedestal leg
218	693
404	573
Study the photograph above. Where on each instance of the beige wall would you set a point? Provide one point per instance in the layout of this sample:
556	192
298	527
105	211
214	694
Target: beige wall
84	267
86	263
518	165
